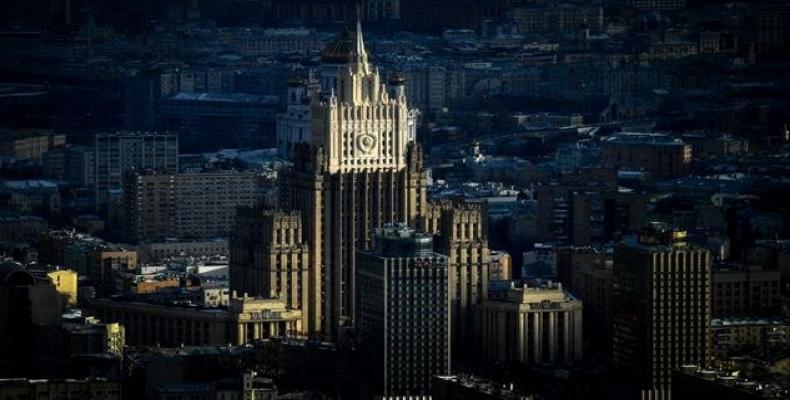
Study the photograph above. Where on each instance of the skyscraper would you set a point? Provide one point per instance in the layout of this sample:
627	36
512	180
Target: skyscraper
662	308
403	312
360	170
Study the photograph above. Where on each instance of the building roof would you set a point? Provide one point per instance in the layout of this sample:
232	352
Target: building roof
653	139
227	98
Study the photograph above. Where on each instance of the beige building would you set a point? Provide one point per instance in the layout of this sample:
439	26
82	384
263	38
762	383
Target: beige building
104	264
268	258
245	320
534	324
24	145
501	267
463	238
361	170
195	205
662	308
65	389
65	281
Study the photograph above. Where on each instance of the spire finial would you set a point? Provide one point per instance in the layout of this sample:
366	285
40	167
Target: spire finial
359	57
359	41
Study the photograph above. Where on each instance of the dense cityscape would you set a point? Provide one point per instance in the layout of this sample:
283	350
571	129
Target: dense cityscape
394	199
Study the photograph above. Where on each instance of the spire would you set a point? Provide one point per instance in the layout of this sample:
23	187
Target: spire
360	43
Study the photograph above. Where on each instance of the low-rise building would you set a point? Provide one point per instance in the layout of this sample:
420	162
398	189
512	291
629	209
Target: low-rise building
691	382
65	389
24	145
660	155
732	334
469	387
245	320
152	252
538	323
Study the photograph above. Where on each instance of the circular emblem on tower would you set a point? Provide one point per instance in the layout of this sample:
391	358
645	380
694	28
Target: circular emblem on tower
366	142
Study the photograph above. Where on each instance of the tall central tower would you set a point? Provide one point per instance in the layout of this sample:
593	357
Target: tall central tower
360	170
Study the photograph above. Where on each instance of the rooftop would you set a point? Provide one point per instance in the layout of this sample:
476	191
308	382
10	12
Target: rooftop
766	389
655	139
226	98
483	385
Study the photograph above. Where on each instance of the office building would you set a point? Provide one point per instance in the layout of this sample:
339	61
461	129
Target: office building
537	323
662	308
191	205
268	258
117	153
27	145
734	336
586	213
660	155
741	291
403	312
80	165
361	170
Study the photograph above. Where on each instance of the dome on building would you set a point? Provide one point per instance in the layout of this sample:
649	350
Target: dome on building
295	80
339	49
397	78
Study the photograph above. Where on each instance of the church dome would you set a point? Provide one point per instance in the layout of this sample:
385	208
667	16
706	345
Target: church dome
339	49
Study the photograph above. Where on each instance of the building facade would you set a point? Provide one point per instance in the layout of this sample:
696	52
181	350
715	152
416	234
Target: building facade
741	291
463	238
29	145
116	153
191	205
269	258
535	324
662	308
660	155
361	170
403	319
246	319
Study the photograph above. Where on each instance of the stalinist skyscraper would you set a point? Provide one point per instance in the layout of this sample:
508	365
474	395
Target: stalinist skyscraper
360	170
